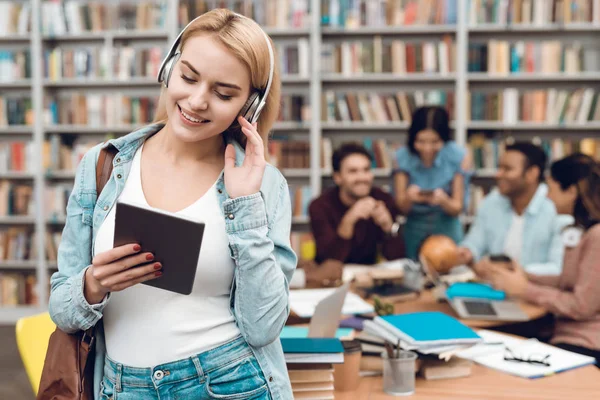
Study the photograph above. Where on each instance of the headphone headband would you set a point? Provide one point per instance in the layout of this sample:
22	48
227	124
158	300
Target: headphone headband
167	65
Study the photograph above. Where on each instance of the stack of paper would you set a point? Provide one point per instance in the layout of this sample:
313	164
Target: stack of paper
303	302
492	355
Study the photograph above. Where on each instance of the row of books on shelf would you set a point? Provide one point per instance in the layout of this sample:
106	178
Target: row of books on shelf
549	56
389	56
552	106
90	109
16	199
486	151
15	111
72	17
114	109
17	244
535	12
294	107
18	289
15	65
101	62
356	13
382	107
268	13
15	18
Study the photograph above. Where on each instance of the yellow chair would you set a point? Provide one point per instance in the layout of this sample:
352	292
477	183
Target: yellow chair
33	334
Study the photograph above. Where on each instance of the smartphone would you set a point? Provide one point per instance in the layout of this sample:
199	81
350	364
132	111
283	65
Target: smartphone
424	192
500	258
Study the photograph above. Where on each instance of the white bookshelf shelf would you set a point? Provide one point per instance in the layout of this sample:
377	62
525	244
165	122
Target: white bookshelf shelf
288	78
300	220
390	30
90	130
290	126
296	172
17	220
14	39
102	83
591	126
9	315
389	78
60	174
52	265
486	173
529	28
18	84
24	130
533	77
287	32
116	35
18	265
16	175
340	126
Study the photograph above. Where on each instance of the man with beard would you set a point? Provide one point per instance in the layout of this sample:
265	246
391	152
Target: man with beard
354	220
517	219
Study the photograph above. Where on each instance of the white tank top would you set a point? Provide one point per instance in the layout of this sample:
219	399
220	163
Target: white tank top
146	326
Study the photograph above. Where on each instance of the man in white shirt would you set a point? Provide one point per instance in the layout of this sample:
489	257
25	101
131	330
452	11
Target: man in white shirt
517	219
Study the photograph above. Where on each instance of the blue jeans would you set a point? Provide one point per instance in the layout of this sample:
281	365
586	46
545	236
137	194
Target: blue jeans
229	371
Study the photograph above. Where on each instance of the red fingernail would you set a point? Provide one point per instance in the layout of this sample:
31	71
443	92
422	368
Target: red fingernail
149	257
157	266
137	247
157	273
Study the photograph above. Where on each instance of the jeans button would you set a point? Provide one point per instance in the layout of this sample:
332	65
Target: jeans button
158	375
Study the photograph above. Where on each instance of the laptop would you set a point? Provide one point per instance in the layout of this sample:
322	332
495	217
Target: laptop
472	308
326	318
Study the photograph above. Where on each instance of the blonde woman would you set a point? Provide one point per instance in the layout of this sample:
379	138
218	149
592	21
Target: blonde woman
203	158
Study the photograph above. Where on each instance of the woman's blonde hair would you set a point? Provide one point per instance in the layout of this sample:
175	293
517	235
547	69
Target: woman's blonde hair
243	37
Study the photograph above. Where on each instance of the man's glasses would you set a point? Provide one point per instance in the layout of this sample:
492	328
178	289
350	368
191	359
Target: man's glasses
535	359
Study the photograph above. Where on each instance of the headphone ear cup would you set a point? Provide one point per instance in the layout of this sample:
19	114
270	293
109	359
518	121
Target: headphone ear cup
250	107
169	68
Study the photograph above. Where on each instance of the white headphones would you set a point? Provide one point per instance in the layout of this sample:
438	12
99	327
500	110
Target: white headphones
256	101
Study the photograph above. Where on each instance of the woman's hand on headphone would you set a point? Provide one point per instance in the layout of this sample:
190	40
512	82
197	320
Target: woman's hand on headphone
247	178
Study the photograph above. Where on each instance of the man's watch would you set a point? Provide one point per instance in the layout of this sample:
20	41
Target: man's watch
394	229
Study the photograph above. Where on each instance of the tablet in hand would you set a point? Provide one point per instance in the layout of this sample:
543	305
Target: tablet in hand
174	240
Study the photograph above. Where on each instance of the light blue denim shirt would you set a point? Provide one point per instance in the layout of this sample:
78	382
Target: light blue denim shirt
258	227
542	251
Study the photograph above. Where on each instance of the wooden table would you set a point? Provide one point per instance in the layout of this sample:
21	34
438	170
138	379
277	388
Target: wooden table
427	302
488	384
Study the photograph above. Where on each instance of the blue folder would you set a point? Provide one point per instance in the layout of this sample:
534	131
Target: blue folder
312	345
428	328
474	290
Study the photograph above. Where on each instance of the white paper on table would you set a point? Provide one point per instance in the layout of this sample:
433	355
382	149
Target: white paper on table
303	302
492	356
351	270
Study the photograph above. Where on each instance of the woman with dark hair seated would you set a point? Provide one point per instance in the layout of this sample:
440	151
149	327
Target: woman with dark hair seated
574	296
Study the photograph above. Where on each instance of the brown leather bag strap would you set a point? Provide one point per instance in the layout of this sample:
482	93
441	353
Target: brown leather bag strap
104	167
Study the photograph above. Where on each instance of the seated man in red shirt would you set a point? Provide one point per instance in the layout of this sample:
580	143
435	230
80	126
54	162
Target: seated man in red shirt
353	221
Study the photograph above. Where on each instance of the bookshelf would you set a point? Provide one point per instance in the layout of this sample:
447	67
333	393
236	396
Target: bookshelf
319	31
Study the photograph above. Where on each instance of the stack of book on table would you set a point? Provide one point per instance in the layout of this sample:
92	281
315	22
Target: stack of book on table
434	336
310	365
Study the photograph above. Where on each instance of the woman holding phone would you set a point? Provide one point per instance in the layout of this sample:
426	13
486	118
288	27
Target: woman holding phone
203	158
573	296
431	179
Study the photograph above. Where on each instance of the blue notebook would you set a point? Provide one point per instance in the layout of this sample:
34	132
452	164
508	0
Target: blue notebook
312	345
428	328
291	332
474	290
